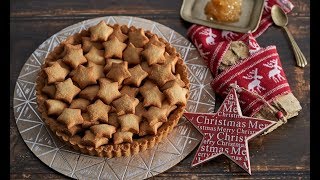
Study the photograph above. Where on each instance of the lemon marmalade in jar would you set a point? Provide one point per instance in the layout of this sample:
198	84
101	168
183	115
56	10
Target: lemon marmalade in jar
224	10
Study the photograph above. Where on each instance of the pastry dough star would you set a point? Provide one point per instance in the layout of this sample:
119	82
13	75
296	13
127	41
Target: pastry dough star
84	76
129	122
176	95
108	91
125	104
154	54
161	74
132	54
119	72
155	115
100	32
56	72
137	76
95	56
70	117
90	139
137	37
74	55
118	33
98	111
103	130
114	48
151	95
66	90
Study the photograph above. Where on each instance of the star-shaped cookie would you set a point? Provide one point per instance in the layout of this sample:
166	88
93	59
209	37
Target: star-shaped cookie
56	73
109	63
137	37
121	137
70	117
74	55
155	41
103	130
98	111
119	72
66	90
129	122
131	91
55	107
87	123
79	103
137	76
161	74
97	69
50	90
171	59
155	114
100	32
96	56
108	90
84	76
118	33
91	140
89	92
125	104
152	96
132	54
176	95
87	44
113	48
154	54
146	129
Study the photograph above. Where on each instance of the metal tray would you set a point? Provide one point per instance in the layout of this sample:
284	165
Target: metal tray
193	11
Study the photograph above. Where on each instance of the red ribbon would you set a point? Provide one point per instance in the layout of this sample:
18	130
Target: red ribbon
260	73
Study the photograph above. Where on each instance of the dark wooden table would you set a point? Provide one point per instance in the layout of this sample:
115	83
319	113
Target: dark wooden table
285	153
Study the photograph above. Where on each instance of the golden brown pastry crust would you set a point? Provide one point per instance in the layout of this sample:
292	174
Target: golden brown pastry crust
108	150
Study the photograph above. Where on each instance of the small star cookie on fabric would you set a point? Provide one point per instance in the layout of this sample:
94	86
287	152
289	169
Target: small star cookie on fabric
91	140
122	137
103	130
161	74
96	56
89	92
84	76
125	104
56	73
154	54
114	48
155	114
137	76
70	117
108	91
74	55
98	111
66	90
132	54
79	103
100	32
119	72
87	44
137	37
129	122
152	96
176	95
118	33
55	107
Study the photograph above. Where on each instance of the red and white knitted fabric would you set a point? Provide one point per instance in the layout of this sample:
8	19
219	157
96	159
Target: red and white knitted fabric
261	72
